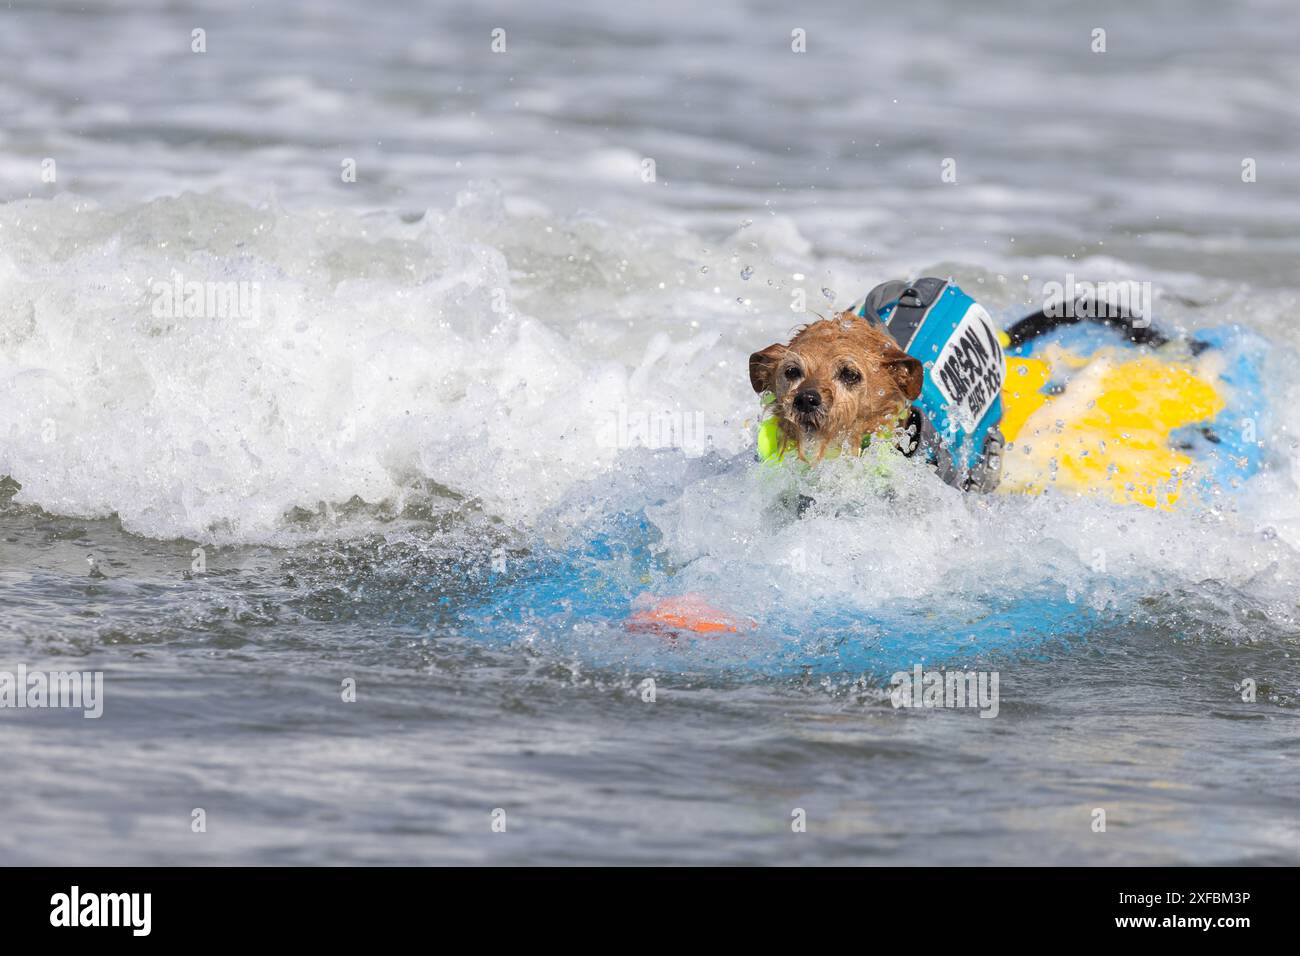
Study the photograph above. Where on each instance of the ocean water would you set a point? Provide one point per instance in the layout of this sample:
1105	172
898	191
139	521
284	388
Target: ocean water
486	388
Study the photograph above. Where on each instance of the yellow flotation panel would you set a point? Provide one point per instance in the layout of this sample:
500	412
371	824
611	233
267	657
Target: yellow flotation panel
773	448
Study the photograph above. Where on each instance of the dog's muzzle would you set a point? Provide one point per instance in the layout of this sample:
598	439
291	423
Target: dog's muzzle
808	401
809	411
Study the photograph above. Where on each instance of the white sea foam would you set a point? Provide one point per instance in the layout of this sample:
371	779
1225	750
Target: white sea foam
382	352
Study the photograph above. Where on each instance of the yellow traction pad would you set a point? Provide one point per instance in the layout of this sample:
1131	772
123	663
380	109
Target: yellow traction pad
1108	432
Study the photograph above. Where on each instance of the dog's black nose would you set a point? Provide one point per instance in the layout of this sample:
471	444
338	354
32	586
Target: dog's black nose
807	400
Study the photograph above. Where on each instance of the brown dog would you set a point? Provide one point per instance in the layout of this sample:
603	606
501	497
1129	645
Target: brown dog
837	381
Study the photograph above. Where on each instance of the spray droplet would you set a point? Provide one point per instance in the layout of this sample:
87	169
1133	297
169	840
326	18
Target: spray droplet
746	272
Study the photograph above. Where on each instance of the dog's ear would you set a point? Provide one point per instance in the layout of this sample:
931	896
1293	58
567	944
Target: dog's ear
761	365
907	372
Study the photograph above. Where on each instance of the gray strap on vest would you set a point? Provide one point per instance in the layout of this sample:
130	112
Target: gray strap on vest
915	299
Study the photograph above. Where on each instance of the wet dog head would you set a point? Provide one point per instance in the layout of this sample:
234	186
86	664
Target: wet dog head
838	380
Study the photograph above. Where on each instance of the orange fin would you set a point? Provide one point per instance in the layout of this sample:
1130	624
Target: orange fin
685	612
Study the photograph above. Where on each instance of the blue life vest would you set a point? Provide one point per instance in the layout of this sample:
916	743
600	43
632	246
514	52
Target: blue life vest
955	419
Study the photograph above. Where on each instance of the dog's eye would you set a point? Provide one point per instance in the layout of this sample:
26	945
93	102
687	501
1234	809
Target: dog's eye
793	372
849	376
